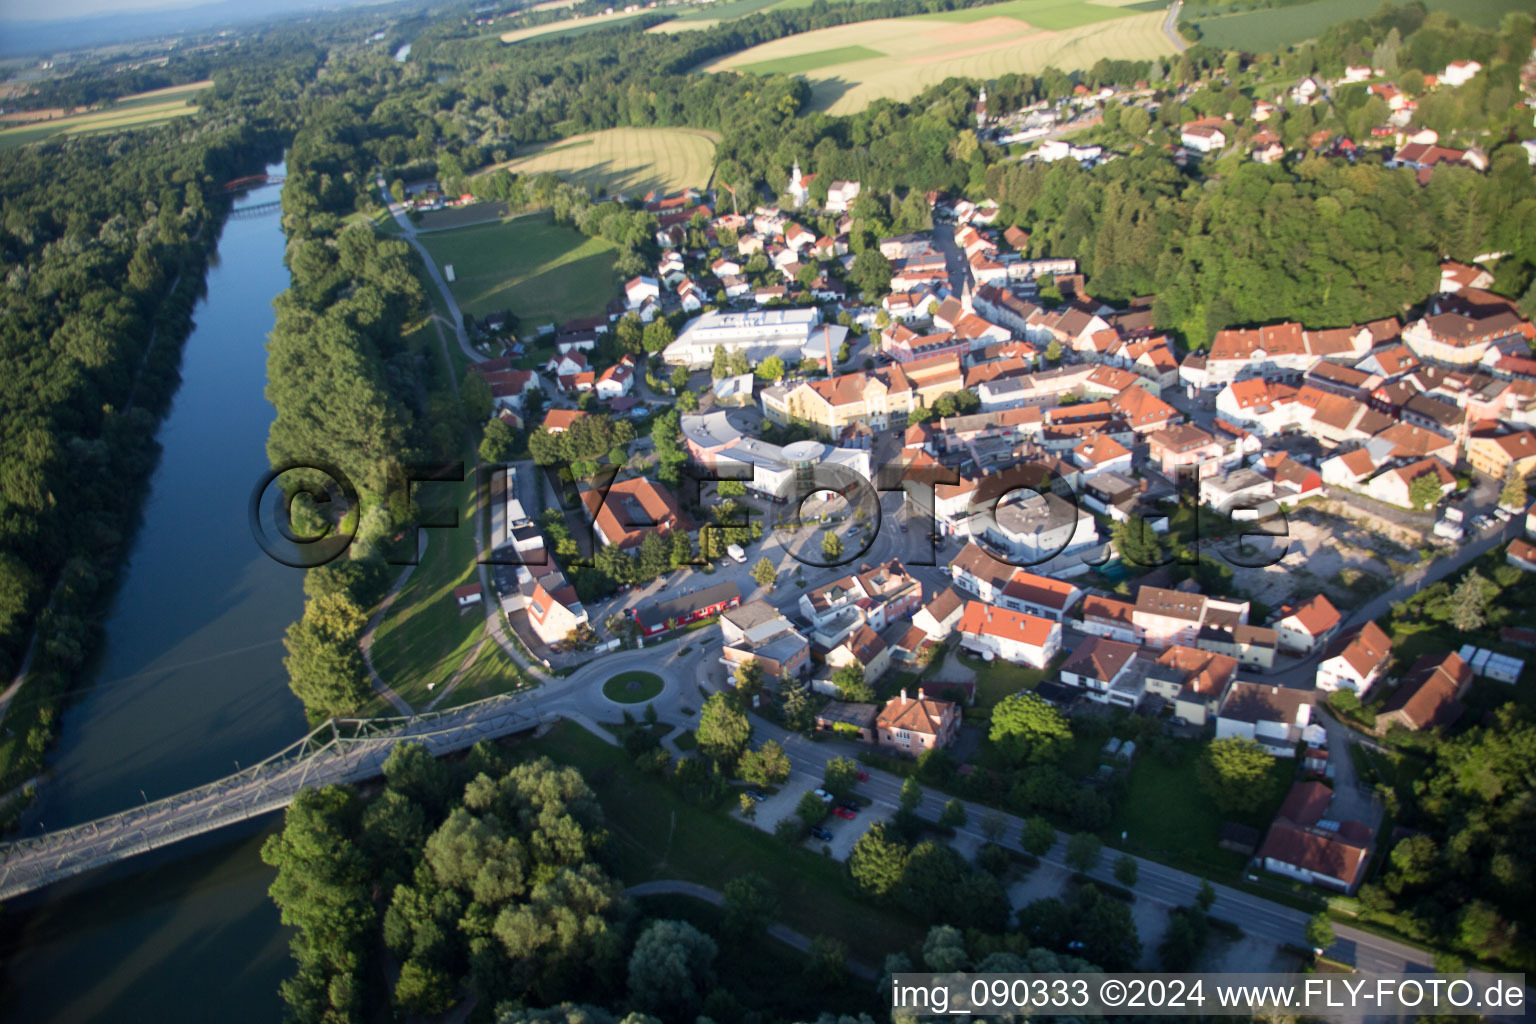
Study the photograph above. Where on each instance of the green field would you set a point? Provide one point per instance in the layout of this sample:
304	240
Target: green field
1051	14
658	834
632	687
628	160
1264	30
799	65
538	269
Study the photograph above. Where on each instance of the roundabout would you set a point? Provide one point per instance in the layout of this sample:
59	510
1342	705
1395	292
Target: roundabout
633	687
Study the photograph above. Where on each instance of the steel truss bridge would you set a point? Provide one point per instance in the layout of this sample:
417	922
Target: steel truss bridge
340	750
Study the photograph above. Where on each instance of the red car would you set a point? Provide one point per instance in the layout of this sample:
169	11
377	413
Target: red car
843	812
863	775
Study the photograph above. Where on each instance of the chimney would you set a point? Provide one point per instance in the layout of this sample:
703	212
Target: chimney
919	693
903	694
826	334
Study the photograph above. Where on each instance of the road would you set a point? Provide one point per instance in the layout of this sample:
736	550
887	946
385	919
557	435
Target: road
1171	27
401	218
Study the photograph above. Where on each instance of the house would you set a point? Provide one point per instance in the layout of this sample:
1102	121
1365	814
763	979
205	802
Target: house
1163	618
633	508
1039	595
1308	626
554	609
1194	681
1012	636
938	618
638	289
841	195
617	380
1495	455
1100	453
1395	486
910	725
1272	716
557	421
1521	554
1105	670
1182	447
1204	135
686	608
1305	845
1460	72
690	296
469	595
1355	660
1108	617
510	388
864	648
1429	695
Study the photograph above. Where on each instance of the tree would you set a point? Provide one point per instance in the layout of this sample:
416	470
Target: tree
994	826
764	573
831	546
672	969
911	794
749	904
1083	851
658	335
811	809
1183	940
723	730
1319	931
841	776
749	679
748	807
1512	496
1053	352
498	443
1424	490
1027	727
1469	602
1038	836
768	765
1206	896
828	966
849	680
788	830
1235	774
1126	870
679	379
878	861
953	815
771	368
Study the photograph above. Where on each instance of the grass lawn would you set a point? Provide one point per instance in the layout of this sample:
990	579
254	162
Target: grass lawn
658	834
801	63
687	740
998	679
632	687
538	269
491	673
1168	816
628	160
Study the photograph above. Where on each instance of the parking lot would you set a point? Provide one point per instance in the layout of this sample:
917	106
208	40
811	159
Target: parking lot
781	805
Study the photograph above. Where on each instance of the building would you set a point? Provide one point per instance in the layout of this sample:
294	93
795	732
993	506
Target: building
882	398
1194	681
554	610
756	631
1355	660
1037	528
1206	135
1271	716
1163	618
793	335
1105	671
686	608
939	617
1185	448
633	508
848	720
1308	626
469	595
910	725
1494	455
864	648
1429	695
1304	844
780	474
1011	636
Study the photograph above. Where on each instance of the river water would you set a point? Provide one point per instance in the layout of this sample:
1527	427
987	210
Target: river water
189	684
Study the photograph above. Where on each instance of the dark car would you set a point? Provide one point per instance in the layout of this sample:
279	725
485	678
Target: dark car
757	794
817	832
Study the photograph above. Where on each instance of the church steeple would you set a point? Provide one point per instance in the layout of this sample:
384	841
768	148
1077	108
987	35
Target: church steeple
981	108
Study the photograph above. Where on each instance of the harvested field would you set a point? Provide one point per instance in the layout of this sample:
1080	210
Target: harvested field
629	160
141	110
571	25
850	65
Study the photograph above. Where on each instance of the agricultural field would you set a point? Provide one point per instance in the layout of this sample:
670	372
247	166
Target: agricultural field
1263	30
138	111
571	25
538	269
629	160
850	65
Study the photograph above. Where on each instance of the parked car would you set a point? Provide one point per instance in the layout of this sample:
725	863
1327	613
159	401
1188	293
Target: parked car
1504	515
843	812
825	796
757	794
863	775
817	832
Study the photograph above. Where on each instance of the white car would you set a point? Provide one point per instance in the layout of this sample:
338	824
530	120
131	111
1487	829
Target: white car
825	796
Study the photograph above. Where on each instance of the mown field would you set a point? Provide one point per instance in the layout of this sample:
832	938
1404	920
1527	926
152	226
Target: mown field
1263	30
850	65
538	269
628	160
141	110
571	25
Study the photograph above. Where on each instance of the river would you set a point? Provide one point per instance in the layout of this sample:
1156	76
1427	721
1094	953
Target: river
189	684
